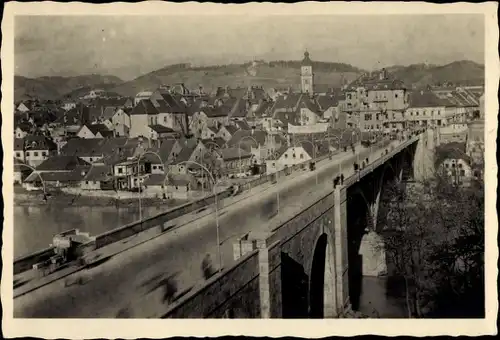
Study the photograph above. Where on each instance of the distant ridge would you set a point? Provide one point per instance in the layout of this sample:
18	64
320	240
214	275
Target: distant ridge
280	73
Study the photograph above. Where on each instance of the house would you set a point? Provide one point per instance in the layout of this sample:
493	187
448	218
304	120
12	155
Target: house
90	150
37	149
126	174
208	117
22	130
454	163
23	107
300	152
144	95
173	111
214	143
57	171
234	161
142	116
68	105
19	149
97	177
259	142
329	105
94	94
121	122
227	132
73	119
173	186
242	125
160	131
94	131
426	109
192	151
21	171
454	132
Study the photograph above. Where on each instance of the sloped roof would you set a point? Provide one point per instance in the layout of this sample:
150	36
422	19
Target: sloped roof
19	165
35	142
231	129
61	163
289	101
263	108
452	150
161	129
287	117
425	99
99	173
216	140
103	129
328	101
83	147
173	103
144	107
53	176
229	154
243	125
185	154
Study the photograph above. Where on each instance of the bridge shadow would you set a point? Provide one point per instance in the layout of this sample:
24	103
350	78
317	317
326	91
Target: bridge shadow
294	288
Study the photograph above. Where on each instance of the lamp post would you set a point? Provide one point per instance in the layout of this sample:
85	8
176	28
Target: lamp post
202	158
139	180
216	208
239	147
277	191
314	153
39	176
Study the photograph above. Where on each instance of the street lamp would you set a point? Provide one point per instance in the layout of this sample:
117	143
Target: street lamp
314	153
202	159
139	180
39	176
239	148
216	207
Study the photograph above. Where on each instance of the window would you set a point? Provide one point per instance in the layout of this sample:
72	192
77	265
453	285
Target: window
90	159
293	156
301	156
120	170
453	165
36	154
87	182
274	164
18	154
368	117
286	155
176	187
44	153
446	165
165	119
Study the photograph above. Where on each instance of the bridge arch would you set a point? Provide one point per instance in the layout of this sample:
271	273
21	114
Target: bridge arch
322	292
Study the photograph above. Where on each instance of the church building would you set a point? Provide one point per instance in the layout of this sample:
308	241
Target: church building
307	75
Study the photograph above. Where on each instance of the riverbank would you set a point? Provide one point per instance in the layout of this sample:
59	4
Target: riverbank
58	198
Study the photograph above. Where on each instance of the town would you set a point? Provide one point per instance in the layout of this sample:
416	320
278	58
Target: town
173	142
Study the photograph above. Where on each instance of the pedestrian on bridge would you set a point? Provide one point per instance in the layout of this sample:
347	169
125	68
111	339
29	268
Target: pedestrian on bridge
206	267
341	179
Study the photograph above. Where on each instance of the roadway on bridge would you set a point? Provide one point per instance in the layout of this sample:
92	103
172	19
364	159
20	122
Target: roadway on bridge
131	280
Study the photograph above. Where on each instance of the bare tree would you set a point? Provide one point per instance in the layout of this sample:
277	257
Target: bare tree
434	240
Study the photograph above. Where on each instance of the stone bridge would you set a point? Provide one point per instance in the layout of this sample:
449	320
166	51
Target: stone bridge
310	266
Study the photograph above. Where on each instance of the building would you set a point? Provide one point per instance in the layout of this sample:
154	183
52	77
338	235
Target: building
227	132
57	171
453	133
259	142
475	136
144	95
234	161
94	131
192	151
37	149
19	149
121	122
171	186
142	116
22	130
297	153
68	105
98	177
454	163
21	171
307	75
158	131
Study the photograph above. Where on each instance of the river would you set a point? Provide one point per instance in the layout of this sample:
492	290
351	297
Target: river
34	226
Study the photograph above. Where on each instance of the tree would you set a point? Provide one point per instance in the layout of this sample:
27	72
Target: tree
436	252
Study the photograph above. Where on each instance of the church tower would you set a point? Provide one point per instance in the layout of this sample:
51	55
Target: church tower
306	75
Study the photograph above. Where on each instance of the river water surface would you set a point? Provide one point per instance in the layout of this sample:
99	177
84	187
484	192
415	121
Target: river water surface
34	226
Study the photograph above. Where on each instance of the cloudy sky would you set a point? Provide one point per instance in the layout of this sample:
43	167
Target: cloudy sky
128	46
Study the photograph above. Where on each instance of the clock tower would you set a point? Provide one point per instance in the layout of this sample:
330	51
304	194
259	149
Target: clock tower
306	75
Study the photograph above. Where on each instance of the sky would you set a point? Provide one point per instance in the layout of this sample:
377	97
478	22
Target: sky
129	46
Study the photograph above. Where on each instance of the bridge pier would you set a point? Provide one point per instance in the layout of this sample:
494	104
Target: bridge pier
341	248
373	255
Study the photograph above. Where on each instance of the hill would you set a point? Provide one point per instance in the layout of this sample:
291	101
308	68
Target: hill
266	74
458	73
51	88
